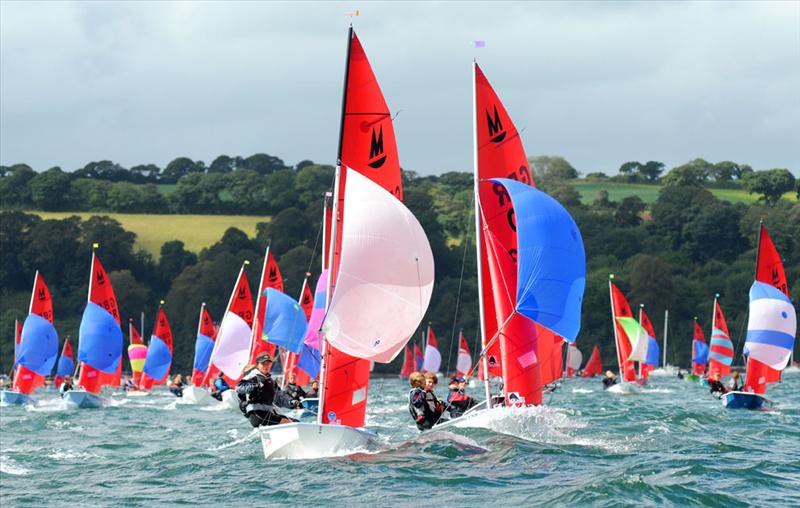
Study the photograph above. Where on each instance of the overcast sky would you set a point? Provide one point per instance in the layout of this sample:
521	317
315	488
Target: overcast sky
599	83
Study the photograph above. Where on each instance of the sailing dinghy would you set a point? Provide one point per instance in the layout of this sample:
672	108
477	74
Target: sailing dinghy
628	333
771	328
99	342
38	348
197	391
380	274
531	267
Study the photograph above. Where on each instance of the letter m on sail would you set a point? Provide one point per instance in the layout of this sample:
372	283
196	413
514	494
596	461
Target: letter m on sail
376	145
496	133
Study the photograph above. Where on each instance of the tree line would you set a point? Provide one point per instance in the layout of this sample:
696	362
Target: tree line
673	254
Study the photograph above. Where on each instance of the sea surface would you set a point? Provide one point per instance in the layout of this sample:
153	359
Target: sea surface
671	445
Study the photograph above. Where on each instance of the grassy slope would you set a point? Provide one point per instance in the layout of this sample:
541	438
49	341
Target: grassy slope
195	231
649	193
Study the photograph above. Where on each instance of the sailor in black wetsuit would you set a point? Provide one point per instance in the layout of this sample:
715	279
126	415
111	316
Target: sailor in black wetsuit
257	392
609	380
458	402
424	406
715	386
294	395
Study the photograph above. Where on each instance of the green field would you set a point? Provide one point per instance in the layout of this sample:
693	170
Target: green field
195	231
649	193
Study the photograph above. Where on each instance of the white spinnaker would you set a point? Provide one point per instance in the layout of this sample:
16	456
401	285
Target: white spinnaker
464	362
575	358
232	348
433	359
385	277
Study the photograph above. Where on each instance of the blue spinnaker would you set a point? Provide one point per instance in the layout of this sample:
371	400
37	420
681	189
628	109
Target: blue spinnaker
100	339
202	352
66	366
309	360
551	261
284	321
158	360
38	348
653	352
699	352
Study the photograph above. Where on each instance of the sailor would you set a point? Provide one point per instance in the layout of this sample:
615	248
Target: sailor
715	385
257	392
176	386
313	391
680	374
220	386
66	385
609	380
416	401
127	384
458	402
735	385
294	395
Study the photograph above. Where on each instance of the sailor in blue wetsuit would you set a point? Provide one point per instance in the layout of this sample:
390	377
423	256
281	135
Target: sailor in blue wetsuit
257	391
458	402
220	386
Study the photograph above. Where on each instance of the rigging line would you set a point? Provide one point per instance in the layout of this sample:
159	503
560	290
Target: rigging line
316	244
458	296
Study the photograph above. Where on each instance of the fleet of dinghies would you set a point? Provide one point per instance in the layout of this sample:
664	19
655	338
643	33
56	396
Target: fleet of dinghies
374	288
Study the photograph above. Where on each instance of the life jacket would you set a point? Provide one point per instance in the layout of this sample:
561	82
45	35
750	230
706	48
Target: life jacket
256	392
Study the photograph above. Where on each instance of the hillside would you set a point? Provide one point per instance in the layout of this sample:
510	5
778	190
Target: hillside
195	231
649	192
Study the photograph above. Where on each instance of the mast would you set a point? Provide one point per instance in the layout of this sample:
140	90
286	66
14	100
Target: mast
477	201
256	319
334	221
614	325
666	322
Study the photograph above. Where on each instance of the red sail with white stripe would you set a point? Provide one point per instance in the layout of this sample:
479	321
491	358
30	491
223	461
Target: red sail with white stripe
500	154
367	146
464	361
232	346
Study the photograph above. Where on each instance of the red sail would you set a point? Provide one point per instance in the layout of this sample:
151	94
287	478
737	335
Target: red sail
26	380
620	308
408	363
307	304
369	147
698	368
500	154
769	270
715	367
594	367
163	331
102	294
644	369
518	337
270	278
551	355
136	338
66	352
206	327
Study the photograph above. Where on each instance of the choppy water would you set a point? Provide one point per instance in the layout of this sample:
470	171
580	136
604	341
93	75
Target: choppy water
672	445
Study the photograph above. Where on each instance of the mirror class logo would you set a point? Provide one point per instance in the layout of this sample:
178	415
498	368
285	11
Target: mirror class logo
496	131
377	157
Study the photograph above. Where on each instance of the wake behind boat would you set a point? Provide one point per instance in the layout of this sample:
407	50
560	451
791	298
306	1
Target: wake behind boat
82	399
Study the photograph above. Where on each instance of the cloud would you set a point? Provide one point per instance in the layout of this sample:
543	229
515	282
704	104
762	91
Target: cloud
600	83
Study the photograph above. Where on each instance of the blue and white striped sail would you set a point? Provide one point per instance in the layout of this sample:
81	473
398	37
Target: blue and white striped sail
771	326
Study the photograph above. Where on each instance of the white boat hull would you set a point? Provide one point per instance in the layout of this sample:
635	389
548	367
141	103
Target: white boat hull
625	389
313	441
14	398
81	399
197	396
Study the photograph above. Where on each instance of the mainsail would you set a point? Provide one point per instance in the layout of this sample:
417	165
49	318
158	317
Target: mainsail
772	322
137	353
574	360
159	353
100	336
38	348
464	361
720	355
203	345
594	366
433	358
621	309
270	278
232	347
367	146
66	364
699	350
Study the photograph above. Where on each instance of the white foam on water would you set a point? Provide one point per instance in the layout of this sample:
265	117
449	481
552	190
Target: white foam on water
233	433
582	390
8	466
657	390
47	406
60	454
